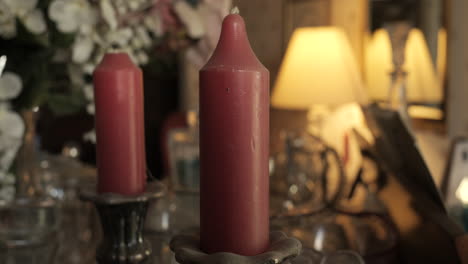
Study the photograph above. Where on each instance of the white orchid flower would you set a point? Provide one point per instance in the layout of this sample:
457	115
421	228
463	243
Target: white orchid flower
154	24
82	49
88	68
90	136
25	10
88	91
136	43
108	13
143	35
10	85
90	108
7	21
120	37
75	73
134	5
142	58
72	15
122	9
190	18
6	178
8	29
35	22
11	134
5	14
213	13
21	7
11	124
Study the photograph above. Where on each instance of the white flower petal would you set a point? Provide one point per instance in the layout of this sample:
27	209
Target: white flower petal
2	176
72	15
136	43
88	92
133	5
57	9
89	68
7	193
10	85
86	29
126	33
190	18
121	9
67	26
90	136
143	36
6	15
21	7
8	30
9	178
9	151
4	106
75	73
120	37
11	125
155	24
142	58
90	109
108	13
98	57
86	15
34	22
82	49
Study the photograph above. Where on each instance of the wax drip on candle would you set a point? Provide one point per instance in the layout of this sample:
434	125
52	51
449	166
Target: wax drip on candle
235	11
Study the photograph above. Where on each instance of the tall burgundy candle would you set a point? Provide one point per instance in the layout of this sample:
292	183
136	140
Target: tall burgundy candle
118	95
234	138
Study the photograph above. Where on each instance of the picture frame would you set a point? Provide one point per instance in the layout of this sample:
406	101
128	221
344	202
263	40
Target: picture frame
455	171
304	13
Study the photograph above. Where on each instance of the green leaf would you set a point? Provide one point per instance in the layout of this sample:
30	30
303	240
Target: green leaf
62	104
65	104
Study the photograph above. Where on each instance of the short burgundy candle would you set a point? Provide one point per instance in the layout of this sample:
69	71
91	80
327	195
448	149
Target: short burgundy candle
118	95
234	138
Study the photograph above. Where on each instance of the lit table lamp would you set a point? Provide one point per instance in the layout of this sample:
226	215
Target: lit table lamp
318	69
422	84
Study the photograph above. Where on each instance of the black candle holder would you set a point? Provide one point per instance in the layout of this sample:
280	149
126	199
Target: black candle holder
122	218
186	248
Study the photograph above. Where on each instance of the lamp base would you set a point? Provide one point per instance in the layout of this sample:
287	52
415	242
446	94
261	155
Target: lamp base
122	219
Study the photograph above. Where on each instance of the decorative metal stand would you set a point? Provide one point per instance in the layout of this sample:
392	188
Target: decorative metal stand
122	219
282	248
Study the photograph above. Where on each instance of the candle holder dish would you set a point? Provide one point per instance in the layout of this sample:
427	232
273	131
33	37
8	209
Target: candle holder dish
186	248
122	219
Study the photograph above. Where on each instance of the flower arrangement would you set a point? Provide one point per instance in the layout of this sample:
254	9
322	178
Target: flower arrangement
52	47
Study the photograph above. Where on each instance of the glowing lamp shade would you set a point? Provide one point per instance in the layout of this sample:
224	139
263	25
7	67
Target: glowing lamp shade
318	68
422	83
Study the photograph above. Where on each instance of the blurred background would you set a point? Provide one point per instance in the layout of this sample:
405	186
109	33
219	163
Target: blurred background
334	65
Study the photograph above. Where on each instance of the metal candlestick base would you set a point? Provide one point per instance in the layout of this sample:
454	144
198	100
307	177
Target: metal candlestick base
122	218
282	248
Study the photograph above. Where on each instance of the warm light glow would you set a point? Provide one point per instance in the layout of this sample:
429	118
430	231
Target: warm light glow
422	82
462	191
425	112
318	68
442	54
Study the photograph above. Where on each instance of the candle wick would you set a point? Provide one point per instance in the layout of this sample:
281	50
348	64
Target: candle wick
235	11
115	49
